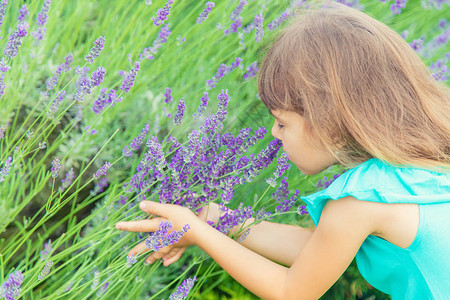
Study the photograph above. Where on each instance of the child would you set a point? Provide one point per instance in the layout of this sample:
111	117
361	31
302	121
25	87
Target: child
343	89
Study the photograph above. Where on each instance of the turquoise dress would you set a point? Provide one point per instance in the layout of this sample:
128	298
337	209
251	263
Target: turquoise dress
421	271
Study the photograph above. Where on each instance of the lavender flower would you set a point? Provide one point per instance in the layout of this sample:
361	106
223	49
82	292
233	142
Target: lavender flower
4	67
180	40
325	182
131	260
56	102
15	40
56	166
2	131
283	166
98	76
42	145
232	218
238	10
433	4
204	14
162	14
102	290
202	107
129	81
45	254
286	204
122	200
23	13
104	100
2	85
301	210
10	289
83	84
168	96
137	141
41	20
161	237
102	171
259	27
183	290
64	67
163	35
417	45
251	70
67	180
223	70
277	22
3	5
180	112
439	70
95	51
397	7
45	270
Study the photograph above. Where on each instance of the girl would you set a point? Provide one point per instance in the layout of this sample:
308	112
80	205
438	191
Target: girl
343	89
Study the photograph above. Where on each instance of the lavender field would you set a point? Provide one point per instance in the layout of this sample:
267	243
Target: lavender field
107	103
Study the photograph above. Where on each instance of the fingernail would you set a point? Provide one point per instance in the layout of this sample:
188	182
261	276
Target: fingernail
144	204
119	225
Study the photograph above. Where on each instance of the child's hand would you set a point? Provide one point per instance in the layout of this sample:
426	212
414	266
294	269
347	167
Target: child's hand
179	216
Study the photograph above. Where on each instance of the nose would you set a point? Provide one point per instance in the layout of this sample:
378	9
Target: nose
274	130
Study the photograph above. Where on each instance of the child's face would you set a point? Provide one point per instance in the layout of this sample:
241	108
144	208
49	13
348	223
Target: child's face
289	127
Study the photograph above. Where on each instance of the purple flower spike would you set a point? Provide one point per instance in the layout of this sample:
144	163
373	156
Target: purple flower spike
67	180
397	7
10	289
3	5
4	171
223	70
56	166
168	96
287	203
15	40
238	10
2	85
102	171
46	270
56	102
41	20
64	67
45	254
180	112
259	27
183	290
23	13
131	77
251	70
137	142
131	260
277	22
161	237
162	14
98	76
95	51
204	14
163	35
202	107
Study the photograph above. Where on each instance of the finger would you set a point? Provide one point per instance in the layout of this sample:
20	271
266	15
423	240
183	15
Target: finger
153	207
159	254
141	225
154	257
138	249
171	259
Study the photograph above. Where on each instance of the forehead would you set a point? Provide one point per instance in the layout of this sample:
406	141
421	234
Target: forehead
277	113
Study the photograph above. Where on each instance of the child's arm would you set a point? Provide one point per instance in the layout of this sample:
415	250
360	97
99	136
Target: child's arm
278	242
343	227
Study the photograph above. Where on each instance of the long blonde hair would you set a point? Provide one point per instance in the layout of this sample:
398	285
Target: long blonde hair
360	87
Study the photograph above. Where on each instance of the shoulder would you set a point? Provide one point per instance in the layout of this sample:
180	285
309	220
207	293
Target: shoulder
351	214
